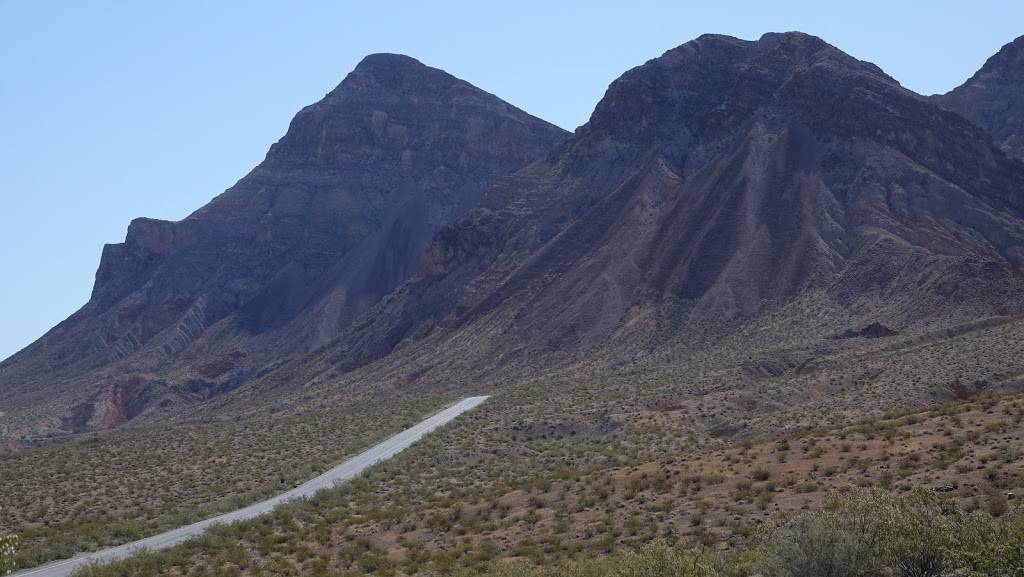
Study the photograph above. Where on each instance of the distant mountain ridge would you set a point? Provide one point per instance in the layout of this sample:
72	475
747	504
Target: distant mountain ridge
392	243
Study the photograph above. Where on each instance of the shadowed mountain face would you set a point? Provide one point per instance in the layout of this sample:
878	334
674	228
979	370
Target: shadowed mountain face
337	215
721	180
994	98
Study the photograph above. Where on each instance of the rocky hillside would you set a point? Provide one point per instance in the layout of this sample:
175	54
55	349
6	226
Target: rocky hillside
337	215
994	98
722	182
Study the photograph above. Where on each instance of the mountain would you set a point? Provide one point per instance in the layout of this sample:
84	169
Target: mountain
762	271
774	191
733	213
994	98
337	215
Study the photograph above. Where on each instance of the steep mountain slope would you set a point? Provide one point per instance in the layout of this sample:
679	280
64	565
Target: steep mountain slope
337	215
994	98
722	182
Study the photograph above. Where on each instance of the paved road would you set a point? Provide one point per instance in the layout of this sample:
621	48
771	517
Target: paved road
343	472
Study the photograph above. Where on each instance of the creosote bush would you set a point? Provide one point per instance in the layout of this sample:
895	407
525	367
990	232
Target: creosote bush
655	559
8	545
877	532
856	533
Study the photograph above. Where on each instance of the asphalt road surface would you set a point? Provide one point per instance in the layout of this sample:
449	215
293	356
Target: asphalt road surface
339	474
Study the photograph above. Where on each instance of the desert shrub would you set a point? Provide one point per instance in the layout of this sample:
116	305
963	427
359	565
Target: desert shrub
856	533
1005	556
656	559
8	544
998	504
860	533
823	543
998	548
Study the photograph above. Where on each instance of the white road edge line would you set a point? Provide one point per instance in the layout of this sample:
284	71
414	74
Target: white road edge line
341	473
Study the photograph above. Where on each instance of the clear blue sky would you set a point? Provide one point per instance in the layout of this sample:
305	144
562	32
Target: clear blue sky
112	110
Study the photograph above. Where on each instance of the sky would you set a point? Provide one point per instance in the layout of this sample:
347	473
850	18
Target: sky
114	110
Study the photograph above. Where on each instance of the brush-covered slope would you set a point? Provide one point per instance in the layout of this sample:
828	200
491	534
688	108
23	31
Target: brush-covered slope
722	180
994	98
337	215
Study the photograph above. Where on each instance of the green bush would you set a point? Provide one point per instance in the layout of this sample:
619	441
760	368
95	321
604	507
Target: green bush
875	532
999	549
8	544
998	504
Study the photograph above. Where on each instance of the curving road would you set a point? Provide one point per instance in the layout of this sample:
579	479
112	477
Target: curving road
339	474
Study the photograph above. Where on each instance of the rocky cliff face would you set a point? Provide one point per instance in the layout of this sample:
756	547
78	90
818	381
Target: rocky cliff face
994	98
337	215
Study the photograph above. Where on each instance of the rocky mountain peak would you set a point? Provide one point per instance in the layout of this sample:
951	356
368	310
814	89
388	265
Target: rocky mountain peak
707	87
392	71
993	98
392	108
393	78
699	98
1007	65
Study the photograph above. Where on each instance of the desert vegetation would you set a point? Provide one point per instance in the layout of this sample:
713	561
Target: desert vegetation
699	451
110	489
760	315
855	532
494	489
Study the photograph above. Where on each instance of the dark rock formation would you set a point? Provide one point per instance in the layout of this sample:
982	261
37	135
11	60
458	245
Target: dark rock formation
871	331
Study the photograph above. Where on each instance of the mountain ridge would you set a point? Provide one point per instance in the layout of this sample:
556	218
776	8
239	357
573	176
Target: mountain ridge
724	184
449	251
